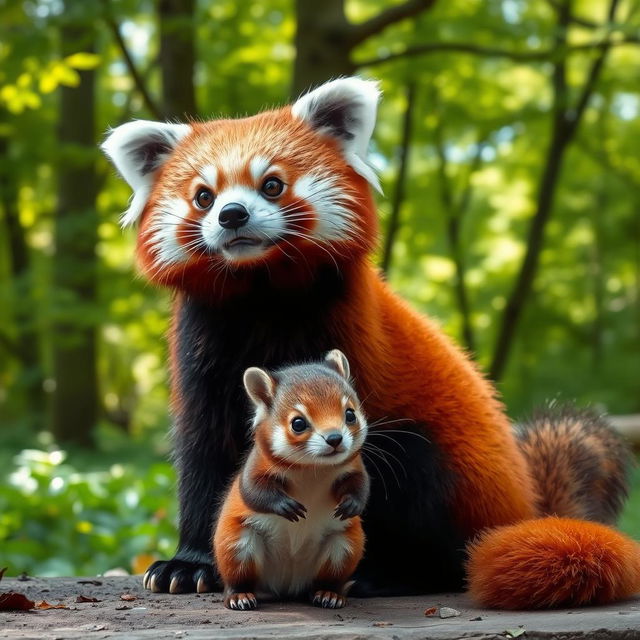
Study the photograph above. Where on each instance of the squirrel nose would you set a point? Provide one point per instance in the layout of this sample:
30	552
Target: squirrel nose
233	216
334	439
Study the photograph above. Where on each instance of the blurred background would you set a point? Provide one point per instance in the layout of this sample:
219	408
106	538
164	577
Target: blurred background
507	145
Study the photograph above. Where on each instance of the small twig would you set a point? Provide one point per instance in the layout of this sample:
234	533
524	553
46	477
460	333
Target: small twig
133	71
360	32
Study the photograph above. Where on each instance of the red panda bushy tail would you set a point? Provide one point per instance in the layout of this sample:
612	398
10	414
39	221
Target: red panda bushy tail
580	467
552	562
579	464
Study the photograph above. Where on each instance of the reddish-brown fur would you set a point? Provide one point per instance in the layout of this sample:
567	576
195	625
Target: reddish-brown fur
553	562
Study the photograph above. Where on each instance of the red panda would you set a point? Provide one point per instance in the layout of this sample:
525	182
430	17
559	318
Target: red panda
263	227
289	525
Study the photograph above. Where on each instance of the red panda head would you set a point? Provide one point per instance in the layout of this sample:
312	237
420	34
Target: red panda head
283	191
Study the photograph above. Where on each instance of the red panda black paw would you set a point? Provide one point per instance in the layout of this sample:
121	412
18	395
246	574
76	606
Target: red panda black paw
328	600
180	576
241	601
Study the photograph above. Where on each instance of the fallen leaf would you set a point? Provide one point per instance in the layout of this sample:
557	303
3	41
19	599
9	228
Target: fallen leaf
2	572
123	607
23	577
448	612
15	602
383	624
86	599
477	619
97	627
128	597
431	611
515	633
45	605
96	583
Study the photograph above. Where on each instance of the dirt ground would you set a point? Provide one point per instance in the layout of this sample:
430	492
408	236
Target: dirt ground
194	617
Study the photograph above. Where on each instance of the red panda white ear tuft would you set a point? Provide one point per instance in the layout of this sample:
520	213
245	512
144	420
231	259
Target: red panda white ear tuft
337	361
345	109
260	386
137	149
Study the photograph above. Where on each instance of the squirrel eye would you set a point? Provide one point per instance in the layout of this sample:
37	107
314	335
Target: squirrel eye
299	424
272	187
204	198
350	416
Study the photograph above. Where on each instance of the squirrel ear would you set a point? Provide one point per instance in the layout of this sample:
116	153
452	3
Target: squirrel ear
337	361
260	386
345	109
137	149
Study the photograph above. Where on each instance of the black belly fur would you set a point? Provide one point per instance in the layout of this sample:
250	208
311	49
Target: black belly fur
411	545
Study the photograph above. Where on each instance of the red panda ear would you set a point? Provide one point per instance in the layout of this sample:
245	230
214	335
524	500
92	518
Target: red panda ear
137	149
337	361
345	109
260	386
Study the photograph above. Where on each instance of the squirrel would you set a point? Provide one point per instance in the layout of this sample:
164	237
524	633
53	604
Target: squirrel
290	522
264	228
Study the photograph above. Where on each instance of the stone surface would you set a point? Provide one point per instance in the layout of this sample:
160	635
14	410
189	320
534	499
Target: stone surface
154	616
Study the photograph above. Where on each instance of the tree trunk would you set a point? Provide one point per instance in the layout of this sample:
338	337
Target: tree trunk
75	397
323	49
26	347
177	58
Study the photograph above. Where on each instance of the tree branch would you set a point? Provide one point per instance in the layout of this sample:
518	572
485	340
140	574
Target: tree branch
133	71
455	212
494	52
360	32
592	77
398	196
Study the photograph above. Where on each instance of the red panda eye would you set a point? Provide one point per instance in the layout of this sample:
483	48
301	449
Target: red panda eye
272	187
204	198
350	416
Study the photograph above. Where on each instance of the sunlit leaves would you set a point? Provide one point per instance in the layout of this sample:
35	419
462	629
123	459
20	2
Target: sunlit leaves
37	78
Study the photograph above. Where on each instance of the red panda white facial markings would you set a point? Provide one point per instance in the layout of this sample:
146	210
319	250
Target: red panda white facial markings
258	167
333	213
209	174
166	230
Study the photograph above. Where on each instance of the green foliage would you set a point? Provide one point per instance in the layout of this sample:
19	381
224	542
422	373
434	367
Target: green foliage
80	517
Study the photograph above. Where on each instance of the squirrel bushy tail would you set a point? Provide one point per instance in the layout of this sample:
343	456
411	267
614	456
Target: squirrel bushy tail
569	558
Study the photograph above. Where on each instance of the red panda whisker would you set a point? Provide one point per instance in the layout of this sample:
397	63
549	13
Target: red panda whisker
300	234
317	244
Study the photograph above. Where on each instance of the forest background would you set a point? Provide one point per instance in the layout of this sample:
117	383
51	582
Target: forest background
507	144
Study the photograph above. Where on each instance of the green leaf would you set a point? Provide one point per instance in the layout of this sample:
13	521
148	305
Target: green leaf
83	61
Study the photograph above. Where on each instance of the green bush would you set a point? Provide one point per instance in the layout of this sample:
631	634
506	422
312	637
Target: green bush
57	520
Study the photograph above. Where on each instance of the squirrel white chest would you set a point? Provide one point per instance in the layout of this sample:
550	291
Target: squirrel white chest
289	554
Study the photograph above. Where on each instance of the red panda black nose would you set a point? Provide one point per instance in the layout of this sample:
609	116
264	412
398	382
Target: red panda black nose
334	439
233	216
